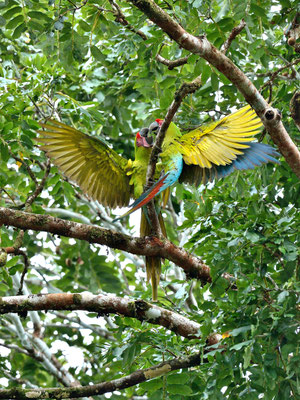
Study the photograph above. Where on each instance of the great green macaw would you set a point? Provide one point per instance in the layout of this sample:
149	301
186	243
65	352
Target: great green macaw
208	152
103	174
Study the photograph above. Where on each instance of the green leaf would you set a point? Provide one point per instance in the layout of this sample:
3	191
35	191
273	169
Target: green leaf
178	378
19	30
258	10
7	278
282	296
214	82
4	152
13	261
14	10
242	329
247	356
180	389
39	15
15	22
241	345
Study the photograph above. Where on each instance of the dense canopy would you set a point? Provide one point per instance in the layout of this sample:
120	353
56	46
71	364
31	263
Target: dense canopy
225	324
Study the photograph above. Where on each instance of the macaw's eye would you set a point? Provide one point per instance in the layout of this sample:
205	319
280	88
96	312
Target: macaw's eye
154	127
144	132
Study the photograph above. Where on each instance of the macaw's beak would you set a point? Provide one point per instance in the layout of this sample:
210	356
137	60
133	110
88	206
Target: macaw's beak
142	140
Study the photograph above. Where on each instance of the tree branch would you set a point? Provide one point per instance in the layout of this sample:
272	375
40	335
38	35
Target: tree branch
184	90
295	108
201	46
235	31
133	379
274	75
171	64
193	266
102	305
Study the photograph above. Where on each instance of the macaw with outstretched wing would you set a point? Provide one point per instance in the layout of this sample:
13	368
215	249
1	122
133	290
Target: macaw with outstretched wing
208	152
103	174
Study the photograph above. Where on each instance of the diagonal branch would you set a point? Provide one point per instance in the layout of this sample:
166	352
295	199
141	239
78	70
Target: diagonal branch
193	266
171	64
184	90
235	31
102	305
133	379
200	45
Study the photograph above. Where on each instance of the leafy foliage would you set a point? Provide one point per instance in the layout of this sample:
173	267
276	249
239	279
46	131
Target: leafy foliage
95	69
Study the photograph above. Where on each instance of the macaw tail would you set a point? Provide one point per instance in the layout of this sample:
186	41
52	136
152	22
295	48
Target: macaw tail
168	179
153	269
153	264
147	196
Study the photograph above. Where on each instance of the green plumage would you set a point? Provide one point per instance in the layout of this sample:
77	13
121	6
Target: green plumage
88	161
214	144
101	173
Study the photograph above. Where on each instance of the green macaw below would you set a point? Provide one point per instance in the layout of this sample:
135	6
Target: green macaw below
103	174
208	153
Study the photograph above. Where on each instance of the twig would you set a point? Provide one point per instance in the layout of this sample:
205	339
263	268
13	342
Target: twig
235	31
120	17
295	108
30	199
42	356
15	249
19	160
171	64
18	252
82	325
274	75
37	108
18	380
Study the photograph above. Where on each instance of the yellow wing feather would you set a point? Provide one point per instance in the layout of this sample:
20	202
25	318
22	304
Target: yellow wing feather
220	142
88	161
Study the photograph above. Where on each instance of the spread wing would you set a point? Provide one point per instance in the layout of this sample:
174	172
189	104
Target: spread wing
216	150
88	161
255	155
219	143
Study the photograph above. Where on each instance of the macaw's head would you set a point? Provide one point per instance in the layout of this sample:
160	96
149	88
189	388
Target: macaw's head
153	128
145	137
142	138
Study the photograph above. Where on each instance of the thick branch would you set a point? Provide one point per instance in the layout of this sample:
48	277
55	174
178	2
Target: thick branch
102	305
202	47
295	108
193	266
105	387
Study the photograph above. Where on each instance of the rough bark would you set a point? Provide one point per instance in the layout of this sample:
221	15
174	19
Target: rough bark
133	379
193	266
102	305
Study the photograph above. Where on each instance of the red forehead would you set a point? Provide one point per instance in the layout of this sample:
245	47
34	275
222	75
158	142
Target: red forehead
159	121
